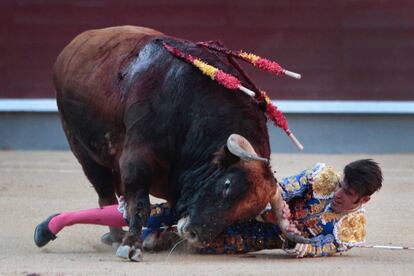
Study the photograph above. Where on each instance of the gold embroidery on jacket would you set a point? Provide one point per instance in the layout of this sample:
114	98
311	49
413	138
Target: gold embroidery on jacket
325	183
330	216
350	230
318	207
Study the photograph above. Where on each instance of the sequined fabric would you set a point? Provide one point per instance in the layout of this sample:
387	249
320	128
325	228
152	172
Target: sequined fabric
350	230
245	237
325	183
161	216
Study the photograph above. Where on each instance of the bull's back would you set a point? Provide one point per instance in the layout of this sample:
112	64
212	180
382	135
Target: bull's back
86	75
89	66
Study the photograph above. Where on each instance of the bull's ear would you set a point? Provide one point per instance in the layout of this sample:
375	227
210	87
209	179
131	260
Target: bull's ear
224	158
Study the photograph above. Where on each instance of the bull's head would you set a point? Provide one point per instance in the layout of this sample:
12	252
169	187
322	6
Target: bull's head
238	188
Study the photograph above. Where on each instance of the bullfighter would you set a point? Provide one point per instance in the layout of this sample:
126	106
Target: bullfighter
323	207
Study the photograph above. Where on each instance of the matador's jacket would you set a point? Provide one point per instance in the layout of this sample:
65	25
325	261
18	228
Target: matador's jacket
309	196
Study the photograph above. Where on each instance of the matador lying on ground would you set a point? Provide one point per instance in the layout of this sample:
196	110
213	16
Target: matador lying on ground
322	207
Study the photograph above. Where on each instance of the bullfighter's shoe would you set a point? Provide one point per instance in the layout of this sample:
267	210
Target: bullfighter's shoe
42	233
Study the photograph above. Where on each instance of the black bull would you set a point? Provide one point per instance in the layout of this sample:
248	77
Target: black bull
141	121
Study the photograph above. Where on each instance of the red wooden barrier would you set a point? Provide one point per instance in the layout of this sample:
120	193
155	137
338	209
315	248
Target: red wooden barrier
353	50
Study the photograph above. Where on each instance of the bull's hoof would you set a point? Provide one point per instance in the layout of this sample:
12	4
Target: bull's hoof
123	251
131	253
108	239
135	255
113	238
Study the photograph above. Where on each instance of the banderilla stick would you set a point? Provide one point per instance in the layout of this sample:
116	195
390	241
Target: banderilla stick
391	247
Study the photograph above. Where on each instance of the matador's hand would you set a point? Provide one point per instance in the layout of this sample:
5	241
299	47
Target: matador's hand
299	250
286	211
293	228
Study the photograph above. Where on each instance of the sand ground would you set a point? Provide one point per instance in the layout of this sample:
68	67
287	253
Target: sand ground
34	185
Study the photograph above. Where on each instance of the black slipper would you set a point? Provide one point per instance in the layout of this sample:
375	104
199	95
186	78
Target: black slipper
42	233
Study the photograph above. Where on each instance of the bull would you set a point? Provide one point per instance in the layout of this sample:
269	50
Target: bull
141	121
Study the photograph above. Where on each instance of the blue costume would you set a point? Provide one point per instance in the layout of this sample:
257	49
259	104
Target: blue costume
309	196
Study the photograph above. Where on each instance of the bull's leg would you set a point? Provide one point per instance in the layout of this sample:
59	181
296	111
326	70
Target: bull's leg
136	173
104	181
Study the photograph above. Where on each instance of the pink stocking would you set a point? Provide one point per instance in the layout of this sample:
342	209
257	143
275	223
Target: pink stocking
108	215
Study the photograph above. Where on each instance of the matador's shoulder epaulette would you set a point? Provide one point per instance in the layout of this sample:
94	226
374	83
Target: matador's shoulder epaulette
350	229
324	182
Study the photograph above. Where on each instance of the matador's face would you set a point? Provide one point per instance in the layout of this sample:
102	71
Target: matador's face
347	198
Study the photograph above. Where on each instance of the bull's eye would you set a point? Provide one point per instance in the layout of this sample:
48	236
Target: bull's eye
226	189
227	184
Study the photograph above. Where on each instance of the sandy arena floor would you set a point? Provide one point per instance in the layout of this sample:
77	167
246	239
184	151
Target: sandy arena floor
34	185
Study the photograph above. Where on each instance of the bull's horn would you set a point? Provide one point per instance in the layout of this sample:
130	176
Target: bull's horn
239	146
277	204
